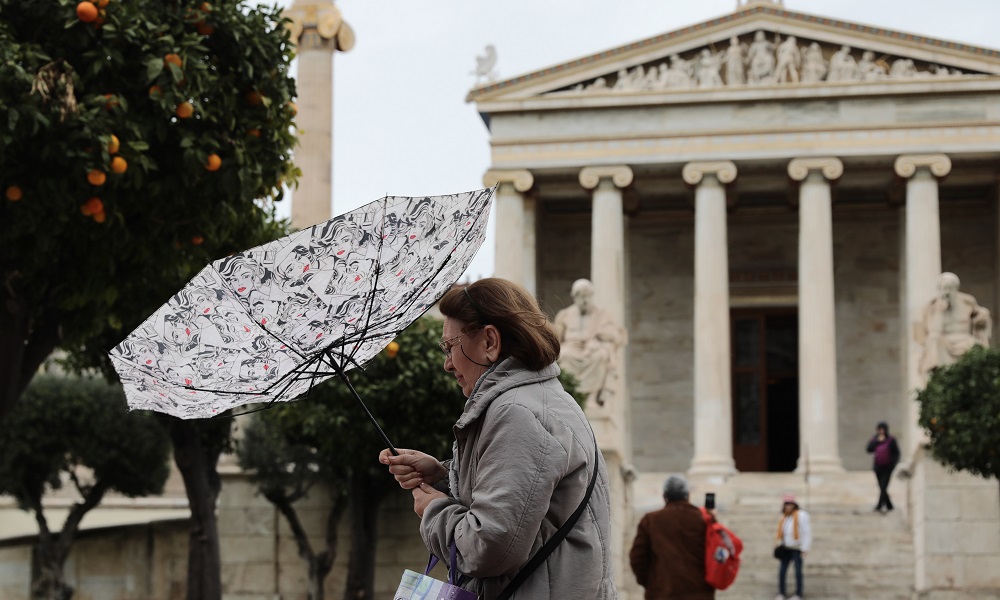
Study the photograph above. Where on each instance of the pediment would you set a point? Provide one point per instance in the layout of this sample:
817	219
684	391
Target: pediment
760	46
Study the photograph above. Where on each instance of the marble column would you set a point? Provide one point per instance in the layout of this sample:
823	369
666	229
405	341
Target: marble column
317	29
607	231
515	226
818	403
713	411
607	273
923	266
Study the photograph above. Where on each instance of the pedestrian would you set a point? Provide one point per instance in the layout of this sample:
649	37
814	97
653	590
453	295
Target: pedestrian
524	459
886	456
668	554
794	538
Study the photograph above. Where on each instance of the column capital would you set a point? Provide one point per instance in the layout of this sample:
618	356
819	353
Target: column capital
521	179
938	164
694	172
620	175
831	168
322	18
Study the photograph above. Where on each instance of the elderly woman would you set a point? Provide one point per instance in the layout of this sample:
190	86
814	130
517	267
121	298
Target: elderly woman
524	459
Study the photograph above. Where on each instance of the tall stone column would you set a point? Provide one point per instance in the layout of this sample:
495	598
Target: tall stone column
317	29
515	227
923	266
607	273
713	410
818	403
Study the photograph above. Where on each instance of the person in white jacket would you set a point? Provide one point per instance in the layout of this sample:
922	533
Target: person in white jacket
794	539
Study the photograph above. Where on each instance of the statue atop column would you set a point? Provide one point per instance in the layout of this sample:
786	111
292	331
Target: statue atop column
590	340
952	323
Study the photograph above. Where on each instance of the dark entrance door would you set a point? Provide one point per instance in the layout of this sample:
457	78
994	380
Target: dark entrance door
765	389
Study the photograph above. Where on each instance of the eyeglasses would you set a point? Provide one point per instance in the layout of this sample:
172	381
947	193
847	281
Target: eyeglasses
447	345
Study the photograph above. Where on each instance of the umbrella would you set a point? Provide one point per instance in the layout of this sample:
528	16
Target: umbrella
266	324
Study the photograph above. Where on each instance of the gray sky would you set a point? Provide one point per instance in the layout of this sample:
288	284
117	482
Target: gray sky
401	124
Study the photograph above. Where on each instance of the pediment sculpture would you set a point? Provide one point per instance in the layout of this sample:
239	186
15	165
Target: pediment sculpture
765	58
590	339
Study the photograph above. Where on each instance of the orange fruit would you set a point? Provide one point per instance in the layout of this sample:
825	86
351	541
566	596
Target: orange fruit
100	216
96	177
173	59
213	162
253	132
102	3
205	7
292	108
184	110
197	240
113	144
92	206
14	193
204	28
86	11
155	91
254	98
119	165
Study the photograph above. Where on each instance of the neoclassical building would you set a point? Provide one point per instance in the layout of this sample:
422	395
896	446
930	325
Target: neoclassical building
766	201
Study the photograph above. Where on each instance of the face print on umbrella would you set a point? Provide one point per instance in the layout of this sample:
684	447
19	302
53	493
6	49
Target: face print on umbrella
338	238
245	276
198	302
293	267
233	326
180	331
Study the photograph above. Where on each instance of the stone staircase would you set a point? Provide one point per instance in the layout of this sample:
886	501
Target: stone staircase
857	554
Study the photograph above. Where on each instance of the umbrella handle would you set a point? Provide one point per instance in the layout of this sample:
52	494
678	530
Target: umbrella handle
343	377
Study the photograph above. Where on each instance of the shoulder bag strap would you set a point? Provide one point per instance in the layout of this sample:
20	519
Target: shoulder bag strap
544	552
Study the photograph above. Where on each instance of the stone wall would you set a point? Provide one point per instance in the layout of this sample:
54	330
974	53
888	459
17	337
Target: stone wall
956	533
142	562
866	262
260	559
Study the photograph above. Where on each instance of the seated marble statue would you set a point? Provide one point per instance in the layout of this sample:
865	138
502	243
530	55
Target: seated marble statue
590	339
952	323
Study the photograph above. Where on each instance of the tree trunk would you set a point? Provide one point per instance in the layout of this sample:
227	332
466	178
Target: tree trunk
48	580
319	564
366	490
24	346
197	462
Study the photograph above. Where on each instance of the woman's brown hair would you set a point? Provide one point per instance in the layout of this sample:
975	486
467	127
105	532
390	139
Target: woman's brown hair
525	331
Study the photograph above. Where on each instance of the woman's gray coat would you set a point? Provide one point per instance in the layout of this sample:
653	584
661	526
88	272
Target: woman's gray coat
523	457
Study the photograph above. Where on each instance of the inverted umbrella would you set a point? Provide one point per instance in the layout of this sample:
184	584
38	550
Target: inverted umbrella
267	324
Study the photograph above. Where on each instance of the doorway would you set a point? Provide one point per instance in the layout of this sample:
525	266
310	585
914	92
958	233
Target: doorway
765	372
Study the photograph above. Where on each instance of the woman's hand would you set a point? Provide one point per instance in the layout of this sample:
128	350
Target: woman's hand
423	495
412	467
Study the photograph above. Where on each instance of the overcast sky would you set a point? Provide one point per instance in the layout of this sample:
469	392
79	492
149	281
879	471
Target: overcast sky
401	124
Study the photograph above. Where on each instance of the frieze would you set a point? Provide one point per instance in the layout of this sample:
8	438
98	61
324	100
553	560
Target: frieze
759	59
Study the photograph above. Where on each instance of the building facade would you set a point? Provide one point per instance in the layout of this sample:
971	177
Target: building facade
766	201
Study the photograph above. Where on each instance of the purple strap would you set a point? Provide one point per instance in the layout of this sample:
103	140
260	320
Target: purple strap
454	577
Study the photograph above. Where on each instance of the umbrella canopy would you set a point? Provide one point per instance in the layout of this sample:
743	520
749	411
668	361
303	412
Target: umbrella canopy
266	324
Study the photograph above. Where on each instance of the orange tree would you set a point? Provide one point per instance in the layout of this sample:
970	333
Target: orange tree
138	141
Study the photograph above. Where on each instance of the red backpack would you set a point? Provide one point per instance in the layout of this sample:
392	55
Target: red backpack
722	553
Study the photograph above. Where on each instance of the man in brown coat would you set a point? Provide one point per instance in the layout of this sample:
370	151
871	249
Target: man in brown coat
668	554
